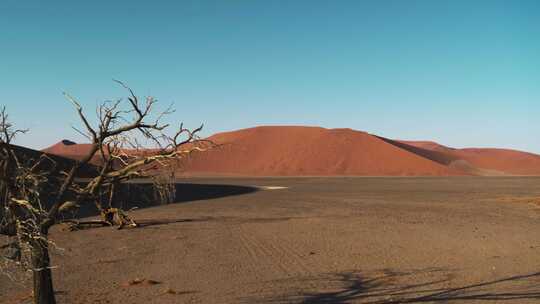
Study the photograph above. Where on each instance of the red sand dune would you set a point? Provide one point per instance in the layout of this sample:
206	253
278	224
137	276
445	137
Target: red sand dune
290	151
69	149
304	151
502	161
428	145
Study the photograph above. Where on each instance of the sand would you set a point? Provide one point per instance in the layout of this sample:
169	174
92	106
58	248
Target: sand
502	160
69	149
320	240
297	151
314	151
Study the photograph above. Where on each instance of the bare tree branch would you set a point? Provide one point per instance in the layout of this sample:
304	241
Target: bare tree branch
120	140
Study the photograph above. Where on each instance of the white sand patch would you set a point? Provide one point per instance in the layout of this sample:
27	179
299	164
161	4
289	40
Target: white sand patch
271	187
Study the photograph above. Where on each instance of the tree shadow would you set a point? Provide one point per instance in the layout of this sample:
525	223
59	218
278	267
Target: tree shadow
141	223
396	287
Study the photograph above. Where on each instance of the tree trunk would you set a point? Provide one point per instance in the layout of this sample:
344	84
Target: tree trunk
43	284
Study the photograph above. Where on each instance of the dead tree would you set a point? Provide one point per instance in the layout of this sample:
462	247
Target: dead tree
129	139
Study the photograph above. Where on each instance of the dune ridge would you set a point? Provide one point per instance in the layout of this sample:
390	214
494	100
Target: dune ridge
489	161
316	151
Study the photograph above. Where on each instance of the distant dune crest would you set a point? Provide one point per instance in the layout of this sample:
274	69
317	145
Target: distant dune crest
315	151
69	149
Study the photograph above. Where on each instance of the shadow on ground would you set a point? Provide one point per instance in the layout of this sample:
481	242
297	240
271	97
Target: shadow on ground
395	287
143	195
146	223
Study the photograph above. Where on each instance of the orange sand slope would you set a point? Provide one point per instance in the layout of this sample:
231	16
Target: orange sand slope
69	149
490	160
314	151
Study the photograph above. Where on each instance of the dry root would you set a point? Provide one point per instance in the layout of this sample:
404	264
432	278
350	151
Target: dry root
113	217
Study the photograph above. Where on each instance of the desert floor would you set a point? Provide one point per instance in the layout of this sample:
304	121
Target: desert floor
321	240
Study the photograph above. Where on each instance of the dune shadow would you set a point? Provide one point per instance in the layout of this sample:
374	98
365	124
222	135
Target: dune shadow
143	195
397	287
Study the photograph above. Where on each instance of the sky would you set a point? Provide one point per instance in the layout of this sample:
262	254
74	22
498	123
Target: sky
462	73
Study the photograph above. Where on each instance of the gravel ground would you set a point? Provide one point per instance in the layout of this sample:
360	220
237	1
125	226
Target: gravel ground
313	240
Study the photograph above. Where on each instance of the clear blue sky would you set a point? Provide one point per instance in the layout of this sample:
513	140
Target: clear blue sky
463	73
